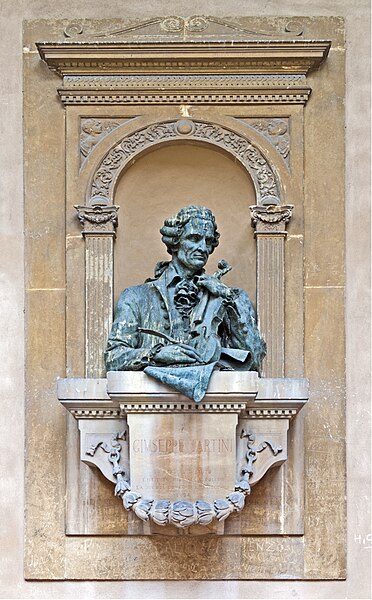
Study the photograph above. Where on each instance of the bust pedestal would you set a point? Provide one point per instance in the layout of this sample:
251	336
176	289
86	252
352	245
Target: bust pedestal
182	467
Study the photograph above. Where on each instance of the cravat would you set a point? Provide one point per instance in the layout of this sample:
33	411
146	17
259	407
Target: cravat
186	296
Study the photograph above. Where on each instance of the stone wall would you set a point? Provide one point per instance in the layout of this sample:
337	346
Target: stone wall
357	291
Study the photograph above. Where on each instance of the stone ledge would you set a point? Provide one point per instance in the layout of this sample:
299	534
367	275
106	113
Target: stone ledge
132	392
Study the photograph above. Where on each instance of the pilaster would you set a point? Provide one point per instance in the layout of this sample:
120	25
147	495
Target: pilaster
270	232
99	223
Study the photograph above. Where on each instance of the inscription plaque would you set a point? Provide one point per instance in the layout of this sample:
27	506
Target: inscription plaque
176	457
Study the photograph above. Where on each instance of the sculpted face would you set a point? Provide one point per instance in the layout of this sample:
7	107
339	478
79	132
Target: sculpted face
196	244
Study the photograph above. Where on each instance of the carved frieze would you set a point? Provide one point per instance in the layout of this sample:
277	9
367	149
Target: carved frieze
177	89
183	82
194	24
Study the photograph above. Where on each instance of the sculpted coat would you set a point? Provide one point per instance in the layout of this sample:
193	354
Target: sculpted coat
215	323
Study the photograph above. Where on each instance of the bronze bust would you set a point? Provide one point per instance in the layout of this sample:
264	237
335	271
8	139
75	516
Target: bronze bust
183	323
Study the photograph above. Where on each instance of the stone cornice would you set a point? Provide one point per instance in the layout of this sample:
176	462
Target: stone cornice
151	57
234	391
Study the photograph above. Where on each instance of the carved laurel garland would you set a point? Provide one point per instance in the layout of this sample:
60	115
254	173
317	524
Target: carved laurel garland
104	178
182	513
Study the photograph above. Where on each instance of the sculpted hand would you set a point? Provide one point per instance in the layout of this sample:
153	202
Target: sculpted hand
175	354
214	286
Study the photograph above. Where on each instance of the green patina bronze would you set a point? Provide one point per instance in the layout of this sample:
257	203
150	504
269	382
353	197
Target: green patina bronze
182	324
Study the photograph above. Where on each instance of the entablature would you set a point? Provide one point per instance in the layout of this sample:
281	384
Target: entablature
173	71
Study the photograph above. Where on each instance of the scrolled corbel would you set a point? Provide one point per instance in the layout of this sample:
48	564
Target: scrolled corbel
182	513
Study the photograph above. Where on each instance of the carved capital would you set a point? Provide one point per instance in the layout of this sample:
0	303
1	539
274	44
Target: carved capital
271	219
98	219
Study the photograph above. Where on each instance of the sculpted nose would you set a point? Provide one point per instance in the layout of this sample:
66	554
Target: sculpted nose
202	245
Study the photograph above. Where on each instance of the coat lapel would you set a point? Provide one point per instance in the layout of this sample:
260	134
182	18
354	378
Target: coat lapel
161	287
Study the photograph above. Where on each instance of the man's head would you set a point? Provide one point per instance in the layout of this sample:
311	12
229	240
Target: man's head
191	236
173	227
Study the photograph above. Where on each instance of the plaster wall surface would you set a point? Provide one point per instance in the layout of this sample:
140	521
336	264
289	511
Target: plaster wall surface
357	584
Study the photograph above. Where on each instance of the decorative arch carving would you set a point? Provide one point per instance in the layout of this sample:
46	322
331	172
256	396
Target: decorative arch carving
102	186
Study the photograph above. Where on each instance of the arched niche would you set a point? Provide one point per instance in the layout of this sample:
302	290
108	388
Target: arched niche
163	180
106	175
261	264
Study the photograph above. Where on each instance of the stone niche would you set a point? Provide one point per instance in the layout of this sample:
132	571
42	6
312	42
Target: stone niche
141	118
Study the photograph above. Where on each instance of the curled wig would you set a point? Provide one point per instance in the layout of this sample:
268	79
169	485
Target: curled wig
173	227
